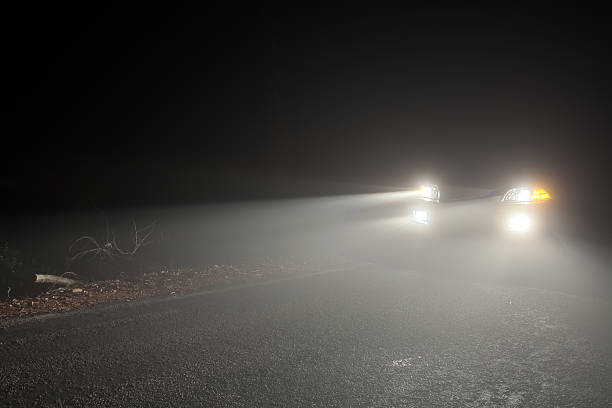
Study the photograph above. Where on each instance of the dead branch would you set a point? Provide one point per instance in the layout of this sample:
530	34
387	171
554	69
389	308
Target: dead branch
56	280
110	249
142	237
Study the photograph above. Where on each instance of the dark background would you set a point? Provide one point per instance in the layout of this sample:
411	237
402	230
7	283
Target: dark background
123	107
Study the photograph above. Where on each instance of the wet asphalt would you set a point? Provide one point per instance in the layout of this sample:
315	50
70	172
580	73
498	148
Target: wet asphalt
367	335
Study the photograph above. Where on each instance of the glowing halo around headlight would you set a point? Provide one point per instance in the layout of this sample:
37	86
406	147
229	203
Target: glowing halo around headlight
519	222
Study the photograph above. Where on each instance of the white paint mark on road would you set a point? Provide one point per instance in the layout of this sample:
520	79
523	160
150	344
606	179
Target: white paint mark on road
406	362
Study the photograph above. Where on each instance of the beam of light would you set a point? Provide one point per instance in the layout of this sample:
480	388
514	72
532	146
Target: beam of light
396	195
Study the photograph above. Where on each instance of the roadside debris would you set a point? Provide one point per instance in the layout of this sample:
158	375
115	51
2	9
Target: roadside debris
161	283
56	280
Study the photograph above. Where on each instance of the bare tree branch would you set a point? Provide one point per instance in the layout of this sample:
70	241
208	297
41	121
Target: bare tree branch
110	249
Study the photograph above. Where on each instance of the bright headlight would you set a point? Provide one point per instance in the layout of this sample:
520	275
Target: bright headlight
519	222
525	195
421	216
430	192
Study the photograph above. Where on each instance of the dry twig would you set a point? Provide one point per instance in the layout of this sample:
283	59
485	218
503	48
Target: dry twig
110	249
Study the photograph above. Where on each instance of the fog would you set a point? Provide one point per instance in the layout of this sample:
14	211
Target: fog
463	240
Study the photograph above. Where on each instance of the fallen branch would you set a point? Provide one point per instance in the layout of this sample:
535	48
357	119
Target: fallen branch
56	280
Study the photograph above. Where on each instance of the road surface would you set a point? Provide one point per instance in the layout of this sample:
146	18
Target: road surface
362	336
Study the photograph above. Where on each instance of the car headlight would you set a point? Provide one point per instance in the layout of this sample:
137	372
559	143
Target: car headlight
420	216
430	192
519	222
525	195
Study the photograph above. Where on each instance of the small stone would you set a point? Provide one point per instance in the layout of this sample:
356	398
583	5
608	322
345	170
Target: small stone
77	290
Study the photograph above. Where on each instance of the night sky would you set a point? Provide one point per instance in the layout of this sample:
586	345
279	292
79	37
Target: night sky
118	107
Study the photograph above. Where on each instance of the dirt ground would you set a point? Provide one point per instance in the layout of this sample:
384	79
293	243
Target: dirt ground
162	283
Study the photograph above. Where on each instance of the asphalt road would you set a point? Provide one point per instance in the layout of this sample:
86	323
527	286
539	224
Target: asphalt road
362	336
448	314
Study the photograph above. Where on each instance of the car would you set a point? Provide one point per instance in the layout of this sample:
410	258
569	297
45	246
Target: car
525	209
520	210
